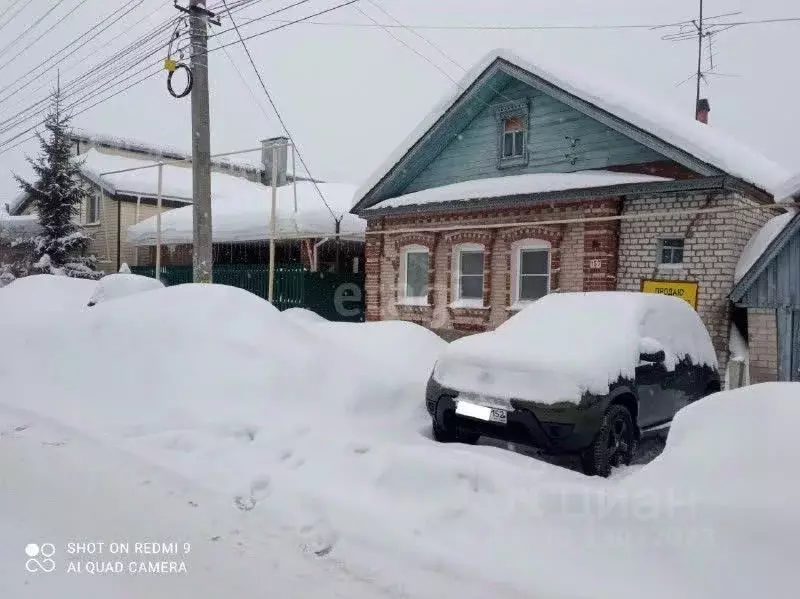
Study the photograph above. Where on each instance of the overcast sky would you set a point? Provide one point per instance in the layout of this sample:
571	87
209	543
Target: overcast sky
350	94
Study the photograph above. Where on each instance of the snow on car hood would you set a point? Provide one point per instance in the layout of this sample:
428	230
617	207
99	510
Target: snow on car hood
566	344
500	365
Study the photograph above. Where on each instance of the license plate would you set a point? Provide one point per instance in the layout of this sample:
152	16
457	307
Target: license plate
471	410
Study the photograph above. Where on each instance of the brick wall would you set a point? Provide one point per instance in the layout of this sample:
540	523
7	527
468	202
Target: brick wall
583	257
713	244
763	345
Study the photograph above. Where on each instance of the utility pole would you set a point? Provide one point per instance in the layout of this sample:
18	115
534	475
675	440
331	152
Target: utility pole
202	256
699	56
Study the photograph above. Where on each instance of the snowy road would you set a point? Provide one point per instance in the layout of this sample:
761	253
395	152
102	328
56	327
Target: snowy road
58	487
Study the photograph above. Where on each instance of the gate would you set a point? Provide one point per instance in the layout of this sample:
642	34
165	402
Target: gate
334	296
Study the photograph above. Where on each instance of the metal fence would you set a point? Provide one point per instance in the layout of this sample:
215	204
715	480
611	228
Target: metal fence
334	296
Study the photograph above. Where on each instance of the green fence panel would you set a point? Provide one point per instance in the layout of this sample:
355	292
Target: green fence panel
251	277
289	291
334	296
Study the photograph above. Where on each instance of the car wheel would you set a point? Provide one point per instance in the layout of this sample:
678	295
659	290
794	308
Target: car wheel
453	435
614	445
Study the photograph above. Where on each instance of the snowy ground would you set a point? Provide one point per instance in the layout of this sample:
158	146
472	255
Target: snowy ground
293	456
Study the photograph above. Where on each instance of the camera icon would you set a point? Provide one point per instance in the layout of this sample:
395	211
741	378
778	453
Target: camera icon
39	557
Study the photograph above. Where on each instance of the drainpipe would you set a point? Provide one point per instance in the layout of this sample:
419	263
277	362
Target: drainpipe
315	257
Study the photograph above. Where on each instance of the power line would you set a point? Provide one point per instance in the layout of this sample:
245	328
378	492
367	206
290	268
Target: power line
41	35
427	40
98	68
30	72
414	50
3	144
261	18
98	72
246	84
92	78
10	7
569	27
287	23
98	86
280	118
32	27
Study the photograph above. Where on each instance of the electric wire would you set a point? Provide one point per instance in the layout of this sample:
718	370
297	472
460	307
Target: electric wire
281	120
33	71
10	7
99	72
32	27
45	32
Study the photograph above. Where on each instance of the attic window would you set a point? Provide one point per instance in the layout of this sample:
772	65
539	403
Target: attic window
513	138
512	124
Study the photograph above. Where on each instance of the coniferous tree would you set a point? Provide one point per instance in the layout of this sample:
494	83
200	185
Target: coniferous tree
57	196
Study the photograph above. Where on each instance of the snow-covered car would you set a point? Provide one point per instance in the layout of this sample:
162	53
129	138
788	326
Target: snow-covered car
117	285
585	373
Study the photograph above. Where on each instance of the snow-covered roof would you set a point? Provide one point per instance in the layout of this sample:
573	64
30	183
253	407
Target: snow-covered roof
789	190
515	185
704	142
18	227
759	243
133	145
176	183
243	214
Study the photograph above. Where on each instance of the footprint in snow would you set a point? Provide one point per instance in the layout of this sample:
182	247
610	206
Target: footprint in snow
320	540
244	504
259	489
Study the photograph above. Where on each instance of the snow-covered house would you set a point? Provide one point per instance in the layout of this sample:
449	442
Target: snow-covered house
121	200
768	289
528	181
16	235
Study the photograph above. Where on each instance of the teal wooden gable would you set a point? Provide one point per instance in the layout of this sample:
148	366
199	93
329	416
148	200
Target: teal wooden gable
566	132
774	279
560	139
773	282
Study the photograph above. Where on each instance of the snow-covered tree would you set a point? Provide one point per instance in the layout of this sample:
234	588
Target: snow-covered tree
57	196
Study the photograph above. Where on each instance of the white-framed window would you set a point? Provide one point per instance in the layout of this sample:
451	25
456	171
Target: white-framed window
93	208
513	122
414	275
530	270
671	253
468	275
513	137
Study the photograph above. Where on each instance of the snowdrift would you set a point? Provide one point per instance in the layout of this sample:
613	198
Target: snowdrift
122	284
321	424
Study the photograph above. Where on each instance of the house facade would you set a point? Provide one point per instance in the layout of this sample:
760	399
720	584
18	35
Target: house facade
529	181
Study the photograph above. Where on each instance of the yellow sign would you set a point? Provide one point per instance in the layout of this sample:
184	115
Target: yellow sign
685	290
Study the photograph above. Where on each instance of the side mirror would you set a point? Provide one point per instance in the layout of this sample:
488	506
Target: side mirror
657	357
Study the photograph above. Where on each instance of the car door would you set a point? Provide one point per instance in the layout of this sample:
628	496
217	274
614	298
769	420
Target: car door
655	403
687	385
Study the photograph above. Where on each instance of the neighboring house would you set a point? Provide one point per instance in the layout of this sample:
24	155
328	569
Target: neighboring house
529	181
119	201
16	235
768	288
